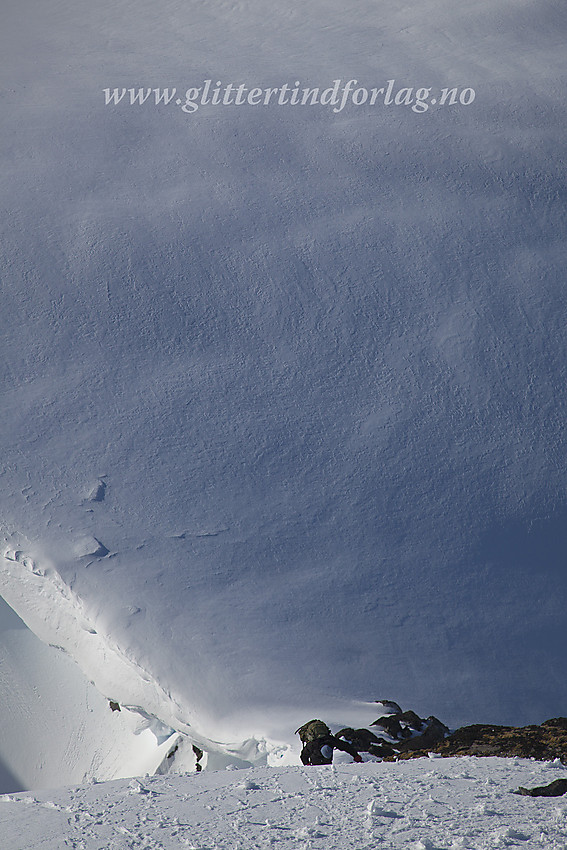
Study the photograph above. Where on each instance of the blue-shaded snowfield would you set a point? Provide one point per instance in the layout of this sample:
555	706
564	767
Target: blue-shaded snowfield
283	385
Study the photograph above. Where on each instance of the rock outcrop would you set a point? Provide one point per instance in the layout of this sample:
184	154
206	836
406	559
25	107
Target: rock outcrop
395	733
403	734
545	742
555	789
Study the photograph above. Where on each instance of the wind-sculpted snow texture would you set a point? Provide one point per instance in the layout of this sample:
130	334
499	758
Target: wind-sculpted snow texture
282	388
446	803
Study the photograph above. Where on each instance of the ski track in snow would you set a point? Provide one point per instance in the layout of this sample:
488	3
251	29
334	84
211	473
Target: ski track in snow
437	804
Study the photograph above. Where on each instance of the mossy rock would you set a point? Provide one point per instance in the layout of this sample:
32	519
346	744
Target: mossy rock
544	743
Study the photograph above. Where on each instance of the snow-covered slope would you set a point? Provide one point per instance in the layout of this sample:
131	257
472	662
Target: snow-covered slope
57	729
449	803
283	416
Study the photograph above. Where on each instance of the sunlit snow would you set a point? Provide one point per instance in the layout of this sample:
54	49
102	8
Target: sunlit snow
455	804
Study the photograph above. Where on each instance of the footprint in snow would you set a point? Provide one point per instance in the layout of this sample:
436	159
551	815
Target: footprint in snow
98	491
26	561
90	547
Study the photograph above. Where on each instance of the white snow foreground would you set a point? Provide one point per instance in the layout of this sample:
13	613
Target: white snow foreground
456	804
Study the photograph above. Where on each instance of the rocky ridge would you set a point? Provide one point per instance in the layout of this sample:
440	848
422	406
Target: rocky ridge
401	734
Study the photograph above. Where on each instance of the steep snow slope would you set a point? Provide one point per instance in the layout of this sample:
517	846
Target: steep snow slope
57	729
283	387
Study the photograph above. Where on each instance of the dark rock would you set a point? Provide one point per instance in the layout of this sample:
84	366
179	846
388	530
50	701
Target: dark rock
199	755
556	723
434	724
382	750
364	741
361	739
545	743
434	732
403	726
391	725
391	706
555	789
411	719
